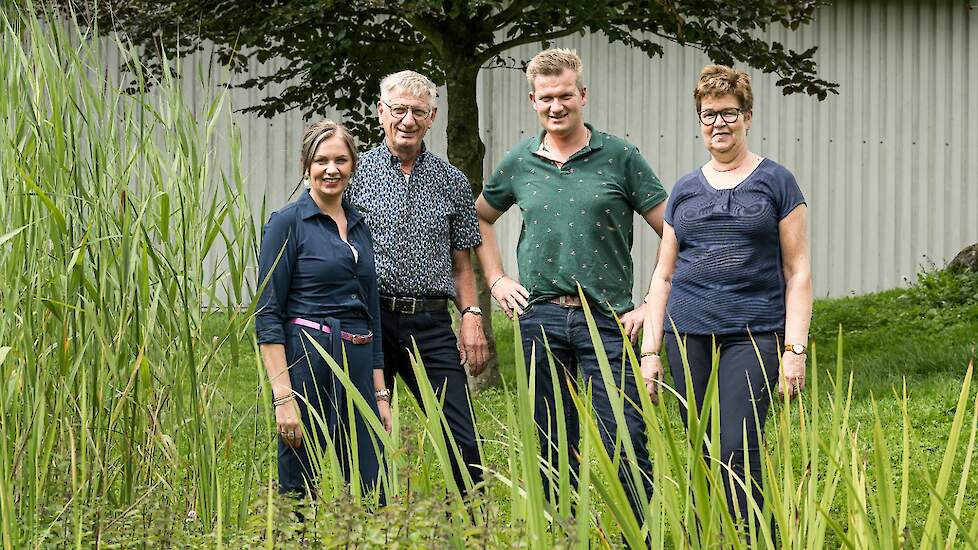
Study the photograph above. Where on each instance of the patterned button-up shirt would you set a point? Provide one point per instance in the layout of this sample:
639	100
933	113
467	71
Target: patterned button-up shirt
415	223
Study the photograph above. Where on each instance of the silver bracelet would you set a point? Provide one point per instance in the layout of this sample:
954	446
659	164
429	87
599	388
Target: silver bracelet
283	400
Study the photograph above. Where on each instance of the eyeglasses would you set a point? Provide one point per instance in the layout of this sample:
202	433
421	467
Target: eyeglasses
401	111
728	115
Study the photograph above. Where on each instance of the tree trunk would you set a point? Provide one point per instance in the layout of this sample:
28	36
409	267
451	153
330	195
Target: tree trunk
467	152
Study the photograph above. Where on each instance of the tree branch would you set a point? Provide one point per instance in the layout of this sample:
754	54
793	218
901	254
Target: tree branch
505	16
432	32
489	53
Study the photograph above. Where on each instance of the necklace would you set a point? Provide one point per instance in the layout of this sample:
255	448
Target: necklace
732	168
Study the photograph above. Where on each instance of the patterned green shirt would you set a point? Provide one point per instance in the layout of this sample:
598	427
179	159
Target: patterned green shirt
577	219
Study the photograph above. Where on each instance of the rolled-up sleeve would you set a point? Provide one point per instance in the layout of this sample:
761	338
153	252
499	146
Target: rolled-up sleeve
373	307
276	261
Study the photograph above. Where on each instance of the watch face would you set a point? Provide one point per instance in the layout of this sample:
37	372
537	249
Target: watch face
474	309
798	349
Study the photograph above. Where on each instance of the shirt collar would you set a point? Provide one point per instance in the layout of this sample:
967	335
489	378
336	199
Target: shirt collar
597	141
395	160
309	209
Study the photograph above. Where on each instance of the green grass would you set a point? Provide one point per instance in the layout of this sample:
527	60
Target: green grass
131	417
895	336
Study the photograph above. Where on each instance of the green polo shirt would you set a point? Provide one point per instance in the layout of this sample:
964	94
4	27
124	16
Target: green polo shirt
577	219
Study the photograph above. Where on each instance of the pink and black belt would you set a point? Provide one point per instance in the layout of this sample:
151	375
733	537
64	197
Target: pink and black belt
358	339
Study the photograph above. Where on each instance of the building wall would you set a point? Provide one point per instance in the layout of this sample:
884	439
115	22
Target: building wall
889	166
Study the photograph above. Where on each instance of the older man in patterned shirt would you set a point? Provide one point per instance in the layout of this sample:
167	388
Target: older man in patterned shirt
577	188
420	210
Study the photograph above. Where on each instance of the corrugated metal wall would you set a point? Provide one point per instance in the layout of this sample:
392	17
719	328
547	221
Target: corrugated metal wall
889	166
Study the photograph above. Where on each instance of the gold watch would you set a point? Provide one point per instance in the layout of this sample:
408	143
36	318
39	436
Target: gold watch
797	349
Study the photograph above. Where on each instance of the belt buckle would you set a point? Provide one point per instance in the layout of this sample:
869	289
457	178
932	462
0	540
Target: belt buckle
414	306
360	339
562	301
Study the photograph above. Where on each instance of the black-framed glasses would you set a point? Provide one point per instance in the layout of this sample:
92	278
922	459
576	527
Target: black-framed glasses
729	116
401	111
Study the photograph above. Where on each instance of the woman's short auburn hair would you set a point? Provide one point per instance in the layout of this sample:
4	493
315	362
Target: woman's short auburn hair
721	80
316	133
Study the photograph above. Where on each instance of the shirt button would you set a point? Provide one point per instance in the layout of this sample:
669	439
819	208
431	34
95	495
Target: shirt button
353	296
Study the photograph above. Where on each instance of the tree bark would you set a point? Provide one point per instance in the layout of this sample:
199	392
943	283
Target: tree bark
467	152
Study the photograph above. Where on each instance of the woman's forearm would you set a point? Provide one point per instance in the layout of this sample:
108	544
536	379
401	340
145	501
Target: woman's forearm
273	355
655	313
798	308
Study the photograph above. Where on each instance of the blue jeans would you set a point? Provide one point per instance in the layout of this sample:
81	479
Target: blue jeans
320	390
573	351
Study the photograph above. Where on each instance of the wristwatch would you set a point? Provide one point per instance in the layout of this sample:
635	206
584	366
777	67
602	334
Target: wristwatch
797	349
474	310
383	395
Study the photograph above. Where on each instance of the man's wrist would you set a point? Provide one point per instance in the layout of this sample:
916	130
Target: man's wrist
475	311
495	280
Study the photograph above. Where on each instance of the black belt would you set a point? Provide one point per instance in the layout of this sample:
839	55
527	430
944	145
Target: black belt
410	306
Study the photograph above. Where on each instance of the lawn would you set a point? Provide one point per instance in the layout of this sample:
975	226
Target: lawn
923	337
133	417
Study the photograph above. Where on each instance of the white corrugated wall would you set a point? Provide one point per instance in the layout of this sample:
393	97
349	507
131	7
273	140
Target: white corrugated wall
889	166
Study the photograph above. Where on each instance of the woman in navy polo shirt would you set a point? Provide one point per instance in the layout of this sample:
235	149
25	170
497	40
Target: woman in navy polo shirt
317	267
733	266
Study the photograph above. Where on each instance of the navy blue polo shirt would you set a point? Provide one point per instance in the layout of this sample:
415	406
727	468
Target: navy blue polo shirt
314	273
729	277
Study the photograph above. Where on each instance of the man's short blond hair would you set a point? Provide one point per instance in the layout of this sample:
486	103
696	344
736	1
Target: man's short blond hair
411	82
553	62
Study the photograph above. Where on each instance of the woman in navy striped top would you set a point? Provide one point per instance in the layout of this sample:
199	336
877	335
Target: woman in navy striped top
733	272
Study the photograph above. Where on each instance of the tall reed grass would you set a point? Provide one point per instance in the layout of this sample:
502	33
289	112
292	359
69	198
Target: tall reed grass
112	213
116	227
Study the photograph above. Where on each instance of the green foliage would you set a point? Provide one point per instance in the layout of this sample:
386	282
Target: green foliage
335	53
943	288
130	417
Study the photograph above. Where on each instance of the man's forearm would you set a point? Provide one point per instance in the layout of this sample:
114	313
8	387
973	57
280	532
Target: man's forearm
488	252
464	276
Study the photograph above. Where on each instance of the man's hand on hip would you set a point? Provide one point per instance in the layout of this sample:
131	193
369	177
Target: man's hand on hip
510	295
472	345
632	321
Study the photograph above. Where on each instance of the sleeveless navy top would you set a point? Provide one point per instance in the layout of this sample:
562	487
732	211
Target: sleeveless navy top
728	275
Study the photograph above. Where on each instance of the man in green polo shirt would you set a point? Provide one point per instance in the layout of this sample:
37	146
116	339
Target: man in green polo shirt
577	188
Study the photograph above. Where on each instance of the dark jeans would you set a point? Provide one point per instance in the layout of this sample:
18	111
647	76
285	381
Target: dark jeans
439	353
573	351
743	383
314	381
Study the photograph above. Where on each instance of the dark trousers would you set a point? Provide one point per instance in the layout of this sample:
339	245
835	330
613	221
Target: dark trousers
324	411
439	354
573	352
743	384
